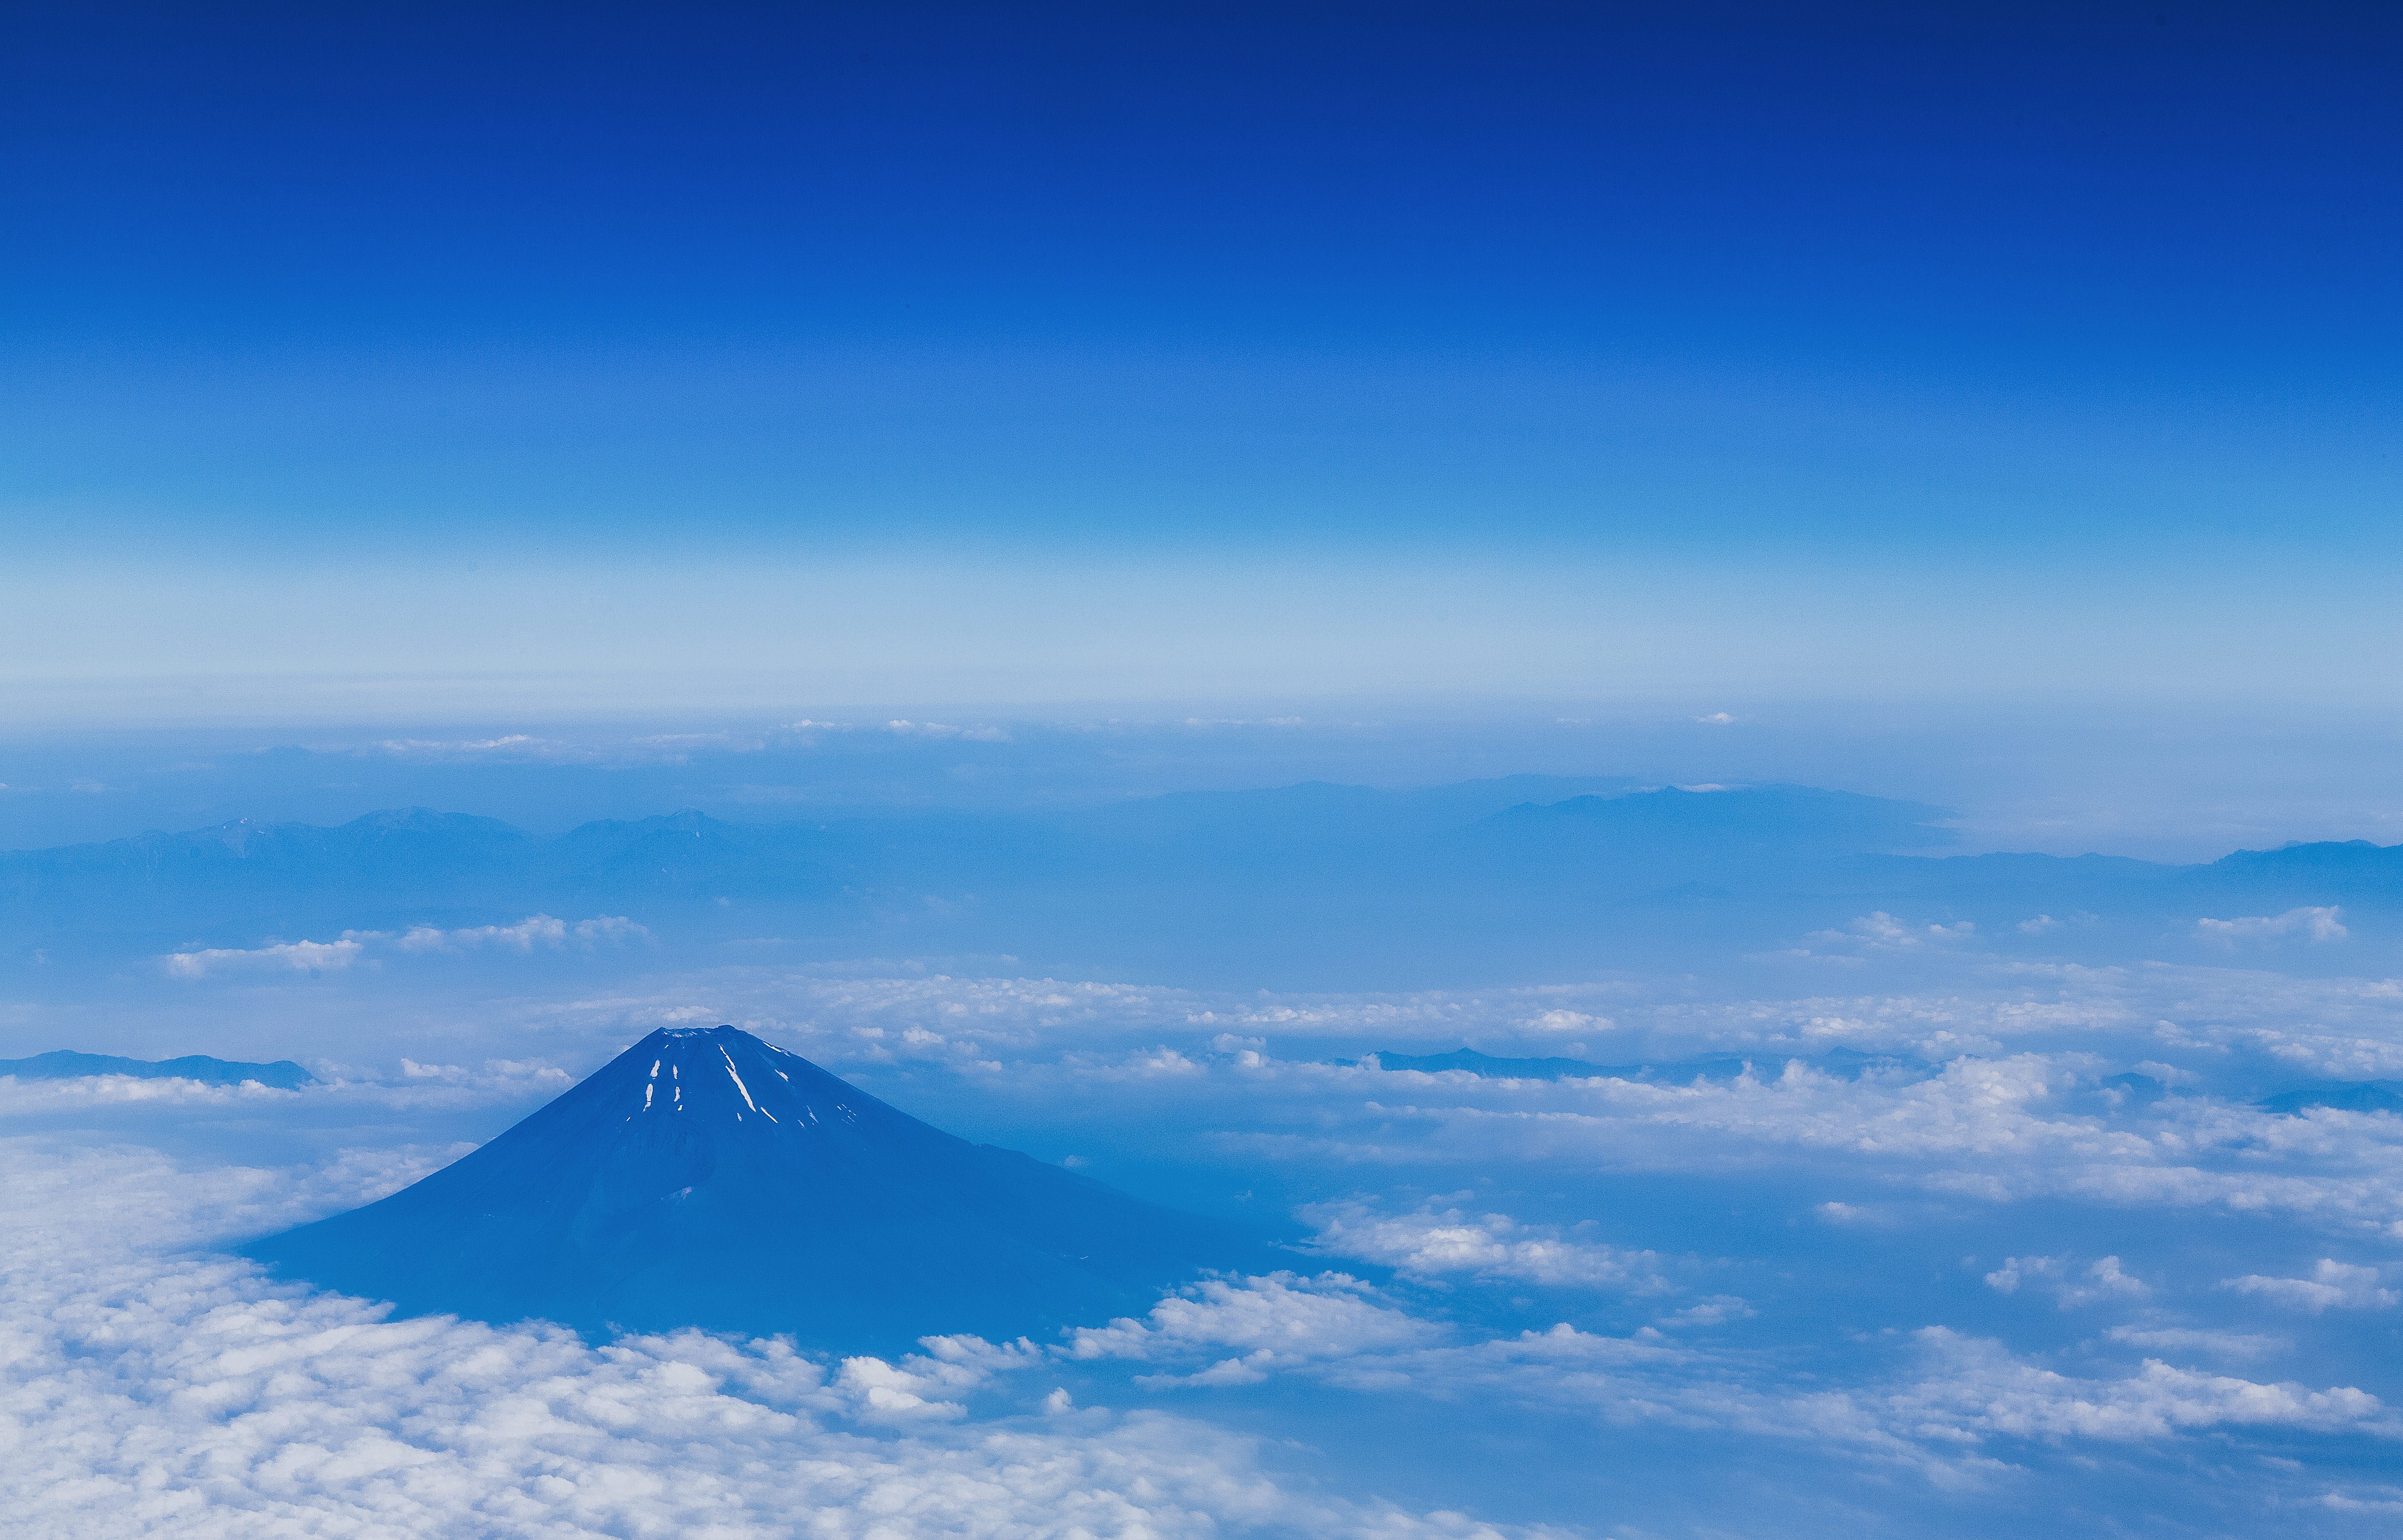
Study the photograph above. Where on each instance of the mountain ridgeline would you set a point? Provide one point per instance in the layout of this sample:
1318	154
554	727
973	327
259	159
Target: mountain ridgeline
1302	886
705	1178
68	1064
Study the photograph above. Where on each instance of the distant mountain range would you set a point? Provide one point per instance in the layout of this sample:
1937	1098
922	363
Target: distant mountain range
1845	1063
2342	1095
1313	885
705	1178
67	1065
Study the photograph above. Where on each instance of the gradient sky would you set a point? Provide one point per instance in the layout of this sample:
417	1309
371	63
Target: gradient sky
801	412
1026	354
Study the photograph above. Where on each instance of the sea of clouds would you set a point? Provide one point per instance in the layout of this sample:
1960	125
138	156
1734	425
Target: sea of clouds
1983	1281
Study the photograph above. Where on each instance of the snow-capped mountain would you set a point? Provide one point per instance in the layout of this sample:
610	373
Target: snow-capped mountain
706	1178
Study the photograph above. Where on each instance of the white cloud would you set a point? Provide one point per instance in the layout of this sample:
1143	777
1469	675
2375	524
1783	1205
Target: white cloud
527	934
2316	923
1717	1309
197	1398
2332	1285
538	930
1881	932
24	1097
2219	1344
2070	1286
1430	1243
508	744
1961	1394
187	1398
1978	1388
944	729
287	957
1276	1321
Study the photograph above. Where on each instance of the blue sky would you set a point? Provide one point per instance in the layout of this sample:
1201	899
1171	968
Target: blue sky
911	434
2056	345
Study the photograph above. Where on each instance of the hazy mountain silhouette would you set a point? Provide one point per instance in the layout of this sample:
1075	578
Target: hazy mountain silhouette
2342	1095
704	1178
1308	886
67	1065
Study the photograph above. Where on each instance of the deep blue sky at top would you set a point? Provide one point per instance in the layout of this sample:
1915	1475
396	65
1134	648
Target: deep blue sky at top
1813	278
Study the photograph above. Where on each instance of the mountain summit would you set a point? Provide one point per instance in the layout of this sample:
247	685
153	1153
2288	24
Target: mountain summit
705	1178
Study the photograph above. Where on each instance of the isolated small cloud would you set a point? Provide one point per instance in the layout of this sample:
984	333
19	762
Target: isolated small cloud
2068	1285
1879	930
1716	1311
2332	1285
2315	923
2219	1344
515	746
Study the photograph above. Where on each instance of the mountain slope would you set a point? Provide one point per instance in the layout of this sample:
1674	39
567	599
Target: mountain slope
705	1178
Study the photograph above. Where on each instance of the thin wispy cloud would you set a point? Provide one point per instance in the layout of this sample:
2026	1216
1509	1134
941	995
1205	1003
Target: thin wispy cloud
533	933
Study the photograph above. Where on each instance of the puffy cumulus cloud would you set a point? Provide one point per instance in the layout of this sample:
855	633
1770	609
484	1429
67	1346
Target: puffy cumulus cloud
2069	1285
915	1389
1273	1323
1972	1387
1995	1131
1338	1330
2332	1285
1945	1412
69	1207
1430	1243
539	930
185	1396
2316	923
